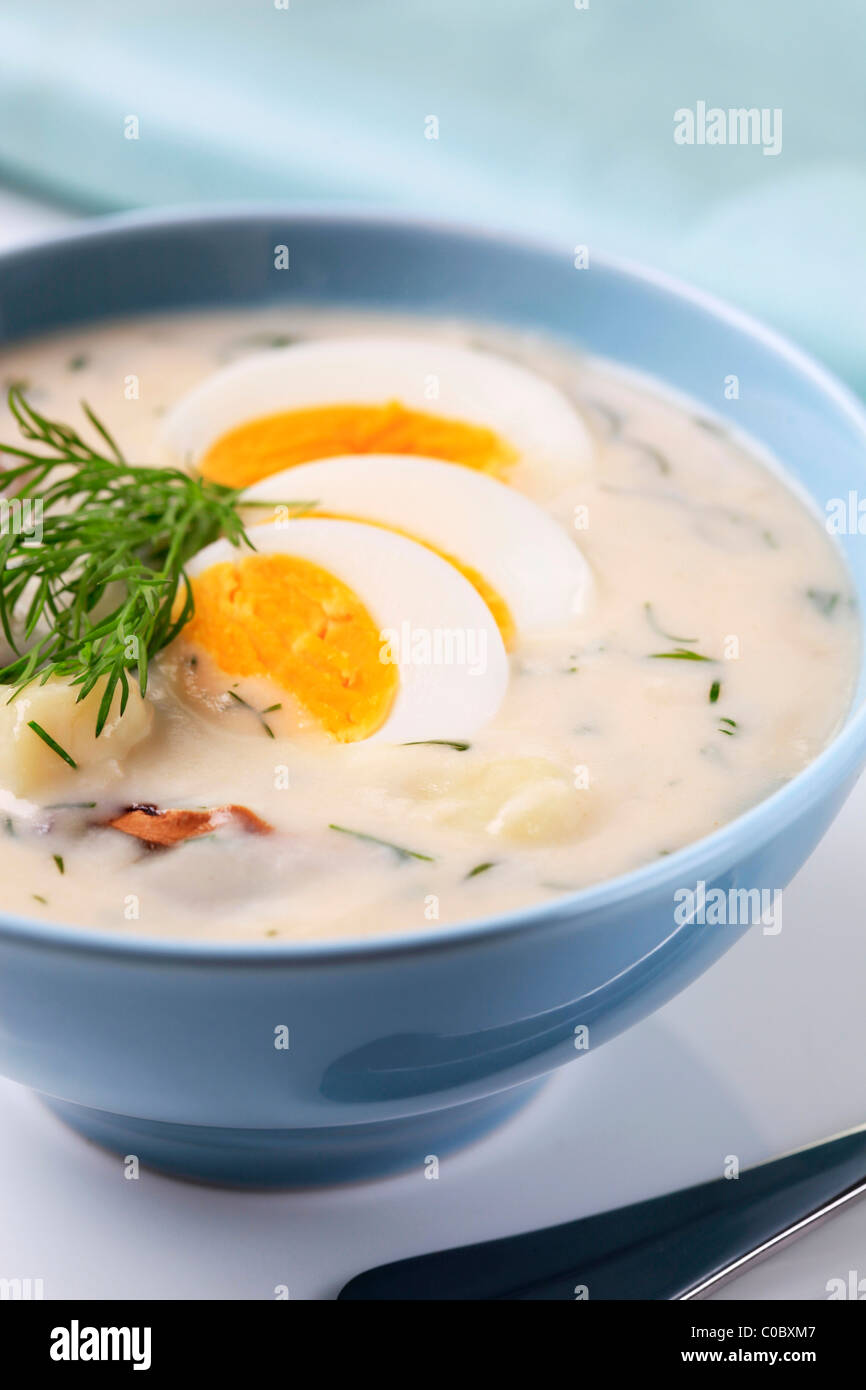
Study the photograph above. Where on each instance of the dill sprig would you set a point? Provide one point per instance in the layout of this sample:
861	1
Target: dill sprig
438	742
481	869
100	586
259	713
52	743
679	654
399	850
657	627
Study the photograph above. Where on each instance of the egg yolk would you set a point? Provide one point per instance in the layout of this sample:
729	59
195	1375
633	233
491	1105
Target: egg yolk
284	618
261	447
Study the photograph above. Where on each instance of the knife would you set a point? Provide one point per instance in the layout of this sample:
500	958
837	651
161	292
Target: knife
684	1245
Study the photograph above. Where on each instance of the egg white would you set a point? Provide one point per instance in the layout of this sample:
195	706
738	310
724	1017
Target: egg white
515	545
478	388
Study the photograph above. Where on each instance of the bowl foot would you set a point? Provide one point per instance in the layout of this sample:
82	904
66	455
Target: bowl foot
294	1157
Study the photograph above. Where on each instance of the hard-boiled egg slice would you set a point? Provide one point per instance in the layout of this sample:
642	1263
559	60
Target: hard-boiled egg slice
372	396
368	634
511	550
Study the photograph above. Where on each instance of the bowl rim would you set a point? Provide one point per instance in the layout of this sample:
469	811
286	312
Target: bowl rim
755	825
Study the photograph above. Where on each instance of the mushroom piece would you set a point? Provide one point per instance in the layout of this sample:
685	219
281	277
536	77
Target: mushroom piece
164	829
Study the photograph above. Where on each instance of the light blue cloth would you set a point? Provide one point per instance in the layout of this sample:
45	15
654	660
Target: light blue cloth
553	119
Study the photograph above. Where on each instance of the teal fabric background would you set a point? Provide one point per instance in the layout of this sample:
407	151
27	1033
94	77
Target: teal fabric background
552	119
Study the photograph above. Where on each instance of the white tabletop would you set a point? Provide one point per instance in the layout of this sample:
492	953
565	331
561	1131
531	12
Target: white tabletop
761	1054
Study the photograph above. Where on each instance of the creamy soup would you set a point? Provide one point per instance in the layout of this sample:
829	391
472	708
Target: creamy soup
677	647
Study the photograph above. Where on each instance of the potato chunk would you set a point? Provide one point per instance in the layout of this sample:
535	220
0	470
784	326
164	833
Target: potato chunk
28	765
521	800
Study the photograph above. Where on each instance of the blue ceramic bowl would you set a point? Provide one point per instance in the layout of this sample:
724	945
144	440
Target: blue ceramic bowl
403	1047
